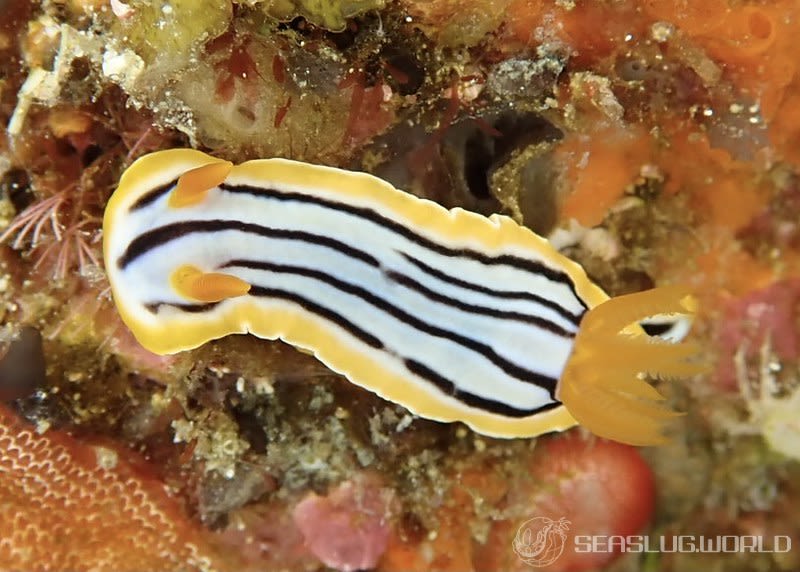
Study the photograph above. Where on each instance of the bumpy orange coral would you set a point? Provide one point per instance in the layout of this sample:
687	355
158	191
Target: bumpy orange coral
65	505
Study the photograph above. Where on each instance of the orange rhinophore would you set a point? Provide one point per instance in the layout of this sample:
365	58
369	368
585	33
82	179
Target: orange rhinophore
193	185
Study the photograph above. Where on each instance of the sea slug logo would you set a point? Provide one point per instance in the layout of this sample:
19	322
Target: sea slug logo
540	540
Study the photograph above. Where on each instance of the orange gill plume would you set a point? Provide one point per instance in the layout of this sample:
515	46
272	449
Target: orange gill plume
66	505
603	384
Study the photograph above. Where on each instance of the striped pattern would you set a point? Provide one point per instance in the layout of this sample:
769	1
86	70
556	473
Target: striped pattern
453	315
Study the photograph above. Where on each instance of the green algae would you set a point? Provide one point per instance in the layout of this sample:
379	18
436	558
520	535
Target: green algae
329	14
171	29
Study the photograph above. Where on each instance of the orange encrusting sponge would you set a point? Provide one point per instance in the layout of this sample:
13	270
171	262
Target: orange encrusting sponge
602	384
599	169
755	45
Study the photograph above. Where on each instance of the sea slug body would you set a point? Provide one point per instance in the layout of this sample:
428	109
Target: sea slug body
456	316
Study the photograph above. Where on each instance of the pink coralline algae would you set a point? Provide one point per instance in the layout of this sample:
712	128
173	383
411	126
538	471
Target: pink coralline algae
769	316
348	528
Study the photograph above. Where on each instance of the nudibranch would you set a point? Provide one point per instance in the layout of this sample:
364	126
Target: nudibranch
456	316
